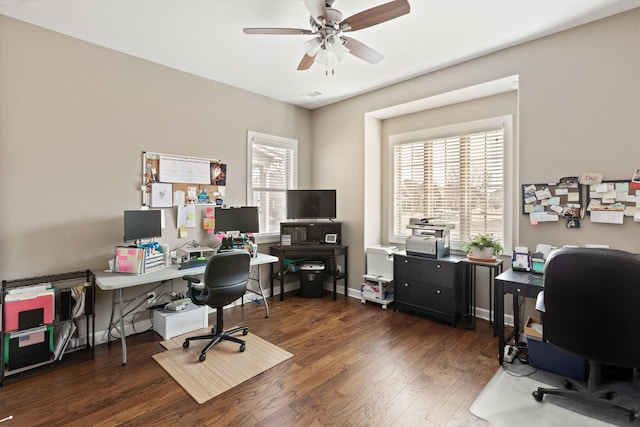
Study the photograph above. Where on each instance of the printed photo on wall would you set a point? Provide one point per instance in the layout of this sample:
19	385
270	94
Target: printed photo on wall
569	182
218	174
573	223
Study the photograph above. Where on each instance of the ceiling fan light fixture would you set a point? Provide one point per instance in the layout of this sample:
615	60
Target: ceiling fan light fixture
327	26
336	46
311	46
322	57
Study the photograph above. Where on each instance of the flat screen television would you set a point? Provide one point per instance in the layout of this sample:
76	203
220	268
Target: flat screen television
142	224
243	219
311	204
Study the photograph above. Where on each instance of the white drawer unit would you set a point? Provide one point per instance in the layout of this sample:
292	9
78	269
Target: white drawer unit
170	324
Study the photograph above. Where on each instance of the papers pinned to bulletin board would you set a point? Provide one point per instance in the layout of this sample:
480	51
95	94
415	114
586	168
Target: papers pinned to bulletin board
609	202
551	201
161	195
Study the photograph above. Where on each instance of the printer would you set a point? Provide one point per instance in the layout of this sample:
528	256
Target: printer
429	237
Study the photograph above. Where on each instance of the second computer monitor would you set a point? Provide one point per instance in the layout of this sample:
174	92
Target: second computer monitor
243	219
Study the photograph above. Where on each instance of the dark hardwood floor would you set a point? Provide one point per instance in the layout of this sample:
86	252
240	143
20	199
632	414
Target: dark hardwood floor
353	365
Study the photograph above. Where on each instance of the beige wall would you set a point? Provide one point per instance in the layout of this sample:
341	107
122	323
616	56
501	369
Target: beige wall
578	111
74	121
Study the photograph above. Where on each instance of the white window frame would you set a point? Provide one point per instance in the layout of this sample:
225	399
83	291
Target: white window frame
458	129
274	141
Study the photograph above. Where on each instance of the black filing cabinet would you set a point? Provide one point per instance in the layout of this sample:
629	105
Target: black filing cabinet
434	287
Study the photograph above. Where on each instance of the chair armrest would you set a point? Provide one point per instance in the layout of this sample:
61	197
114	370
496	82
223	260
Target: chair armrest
191	279
195	290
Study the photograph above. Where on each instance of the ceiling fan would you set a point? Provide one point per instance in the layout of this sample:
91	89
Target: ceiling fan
327	27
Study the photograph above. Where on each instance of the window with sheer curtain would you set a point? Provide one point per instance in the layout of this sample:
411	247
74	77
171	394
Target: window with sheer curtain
272	171
458	177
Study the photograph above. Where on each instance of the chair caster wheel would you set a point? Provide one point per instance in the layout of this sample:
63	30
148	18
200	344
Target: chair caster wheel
567	384
202	357
245	332
185	344
633	416
243	347
610	395
537	395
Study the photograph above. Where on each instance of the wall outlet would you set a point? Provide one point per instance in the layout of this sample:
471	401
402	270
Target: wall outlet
151	298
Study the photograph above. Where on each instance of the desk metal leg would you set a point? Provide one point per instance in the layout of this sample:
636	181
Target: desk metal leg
113	305
335	275
346	272
280	276
499	319
113	324
123	337
261	293
470	298
516	319
491	285
271	278
281	273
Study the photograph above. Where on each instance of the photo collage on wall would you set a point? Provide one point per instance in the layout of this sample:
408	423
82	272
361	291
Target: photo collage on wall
551	202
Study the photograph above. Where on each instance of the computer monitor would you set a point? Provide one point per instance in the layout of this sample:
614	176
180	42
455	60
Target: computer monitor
243	219
142	224
311	204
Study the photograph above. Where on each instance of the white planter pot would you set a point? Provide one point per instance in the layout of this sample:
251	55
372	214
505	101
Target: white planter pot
482	252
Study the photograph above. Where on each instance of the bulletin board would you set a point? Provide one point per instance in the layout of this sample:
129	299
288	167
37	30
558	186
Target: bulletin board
169	180
611	201
551	201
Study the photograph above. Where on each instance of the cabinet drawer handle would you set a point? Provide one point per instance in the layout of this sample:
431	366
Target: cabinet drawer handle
437	291
406	261
406	284
438	265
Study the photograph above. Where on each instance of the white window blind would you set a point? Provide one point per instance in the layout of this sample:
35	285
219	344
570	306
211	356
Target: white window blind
458	178
272	171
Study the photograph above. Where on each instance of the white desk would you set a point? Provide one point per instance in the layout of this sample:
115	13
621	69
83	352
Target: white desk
116	282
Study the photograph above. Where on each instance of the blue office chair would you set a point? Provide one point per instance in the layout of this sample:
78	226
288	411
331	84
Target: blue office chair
225	280
591	310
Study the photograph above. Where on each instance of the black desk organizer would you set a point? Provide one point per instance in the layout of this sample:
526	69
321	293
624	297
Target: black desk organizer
31	344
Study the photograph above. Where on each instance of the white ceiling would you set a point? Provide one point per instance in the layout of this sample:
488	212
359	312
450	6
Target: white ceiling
205	38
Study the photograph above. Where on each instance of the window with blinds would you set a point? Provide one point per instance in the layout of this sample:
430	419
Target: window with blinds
273	170
458	178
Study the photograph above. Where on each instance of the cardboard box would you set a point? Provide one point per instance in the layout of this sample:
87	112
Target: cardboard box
170	324
533	328
543	355
376	290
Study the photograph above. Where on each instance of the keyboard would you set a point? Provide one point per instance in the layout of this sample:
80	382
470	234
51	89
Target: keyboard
193	264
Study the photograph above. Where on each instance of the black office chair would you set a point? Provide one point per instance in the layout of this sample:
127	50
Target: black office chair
225	280
591	301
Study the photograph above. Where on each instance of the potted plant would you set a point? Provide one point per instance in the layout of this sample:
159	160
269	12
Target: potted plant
483	246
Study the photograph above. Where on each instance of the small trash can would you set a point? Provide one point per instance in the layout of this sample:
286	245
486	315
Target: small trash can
312	279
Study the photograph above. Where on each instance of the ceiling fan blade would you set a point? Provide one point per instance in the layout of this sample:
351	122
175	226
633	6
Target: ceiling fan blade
276	31
317	10
362	51
306	63
375	15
